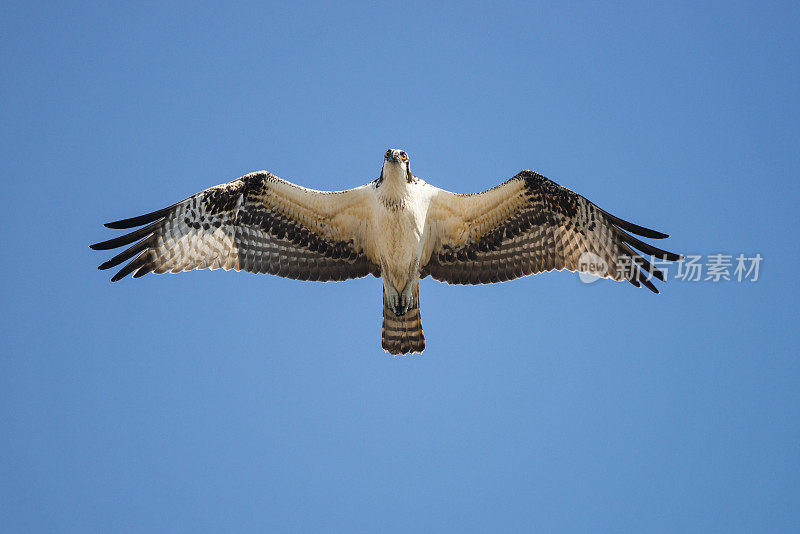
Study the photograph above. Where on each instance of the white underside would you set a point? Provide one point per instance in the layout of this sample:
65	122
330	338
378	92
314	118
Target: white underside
399	212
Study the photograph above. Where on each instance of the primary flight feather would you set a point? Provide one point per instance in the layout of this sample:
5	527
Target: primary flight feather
397	227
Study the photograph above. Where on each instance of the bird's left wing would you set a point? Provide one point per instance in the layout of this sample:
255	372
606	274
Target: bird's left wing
257	223
528	225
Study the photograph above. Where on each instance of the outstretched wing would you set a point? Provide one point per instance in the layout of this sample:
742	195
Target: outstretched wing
257	223
528	225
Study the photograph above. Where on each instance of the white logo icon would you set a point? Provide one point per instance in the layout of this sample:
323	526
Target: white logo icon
591	267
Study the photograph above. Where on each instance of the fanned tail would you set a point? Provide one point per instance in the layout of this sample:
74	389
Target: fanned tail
403	334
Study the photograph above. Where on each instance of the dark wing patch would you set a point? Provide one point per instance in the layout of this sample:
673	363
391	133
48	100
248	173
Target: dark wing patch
238	225
545	227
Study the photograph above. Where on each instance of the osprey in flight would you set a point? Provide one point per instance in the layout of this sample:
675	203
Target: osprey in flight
397	227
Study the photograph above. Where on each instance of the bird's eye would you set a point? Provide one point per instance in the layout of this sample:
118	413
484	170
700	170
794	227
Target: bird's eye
388	153
404	156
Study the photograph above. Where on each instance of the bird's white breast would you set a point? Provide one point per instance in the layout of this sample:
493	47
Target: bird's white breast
399	215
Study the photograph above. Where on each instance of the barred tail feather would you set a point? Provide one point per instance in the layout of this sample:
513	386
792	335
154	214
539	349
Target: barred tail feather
403	334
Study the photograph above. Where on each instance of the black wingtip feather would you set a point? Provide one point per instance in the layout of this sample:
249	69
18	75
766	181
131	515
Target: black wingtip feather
649	249
139	220
121	274
131	266
126	254
635	228
648	284
144	269
125	239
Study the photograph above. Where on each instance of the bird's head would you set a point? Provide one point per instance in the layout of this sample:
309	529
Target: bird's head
397	162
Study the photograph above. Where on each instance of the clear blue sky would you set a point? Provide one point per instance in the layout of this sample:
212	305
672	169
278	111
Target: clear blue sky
221	401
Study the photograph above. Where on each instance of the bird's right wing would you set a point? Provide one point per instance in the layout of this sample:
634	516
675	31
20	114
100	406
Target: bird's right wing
257	223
